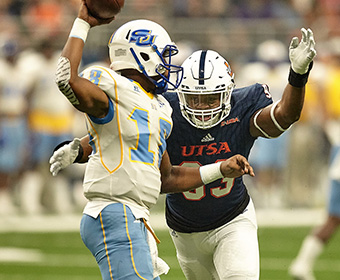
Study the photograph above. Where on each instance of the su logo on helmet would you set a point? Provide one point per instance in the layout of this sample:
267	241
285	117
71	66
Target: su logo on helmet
142	37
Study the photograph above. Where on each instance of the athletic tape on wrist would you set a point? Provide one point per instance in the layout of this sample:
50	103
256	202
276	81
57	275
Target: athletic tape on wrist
211	172
80	29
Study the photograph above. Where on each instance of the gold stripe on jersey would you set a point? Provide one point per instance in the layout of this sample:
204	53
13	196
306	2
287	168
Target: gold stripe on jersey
99	149
118	124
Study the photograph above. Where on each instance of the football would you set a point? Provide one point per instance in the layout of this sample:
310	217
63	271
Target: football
104	9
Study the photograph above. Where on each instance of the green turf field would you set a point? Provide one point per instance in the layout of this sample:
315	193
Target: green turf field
52	256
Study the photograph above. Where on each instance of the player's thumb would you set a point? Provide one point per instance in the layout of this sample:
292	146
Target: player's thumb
75	144
294	43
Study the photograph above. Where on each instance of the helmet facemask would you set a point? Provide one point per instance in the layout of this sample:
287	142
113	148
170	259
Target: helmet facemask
206	89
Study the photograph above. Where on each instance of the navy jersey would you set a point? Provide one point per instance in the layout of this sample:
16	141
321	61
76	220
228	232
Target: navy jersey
217	203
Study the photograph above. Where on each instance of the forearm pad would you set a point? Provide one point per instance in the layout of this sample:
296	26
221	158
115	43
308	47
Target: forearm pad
63	76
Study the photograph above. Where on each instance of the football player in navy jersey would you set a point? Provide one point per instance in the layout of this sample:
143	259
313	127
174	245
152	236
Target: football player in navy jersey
214	227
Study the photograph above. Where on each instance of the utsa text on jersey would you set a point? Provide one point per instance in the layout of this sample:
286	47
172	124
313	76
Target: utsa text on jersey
200	150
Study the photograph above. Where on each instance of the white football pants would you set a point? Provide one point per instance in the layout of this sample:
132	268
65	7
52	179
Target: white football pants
228	252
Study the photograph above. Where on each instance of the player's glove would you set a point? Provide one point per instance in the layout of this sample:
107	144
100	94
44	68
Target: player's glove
301	54
64	156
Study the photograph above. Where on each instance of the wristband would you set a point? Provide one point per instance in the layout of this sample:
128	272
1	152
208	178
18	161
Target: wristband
80	154
80	29
60	145
298	80
211	172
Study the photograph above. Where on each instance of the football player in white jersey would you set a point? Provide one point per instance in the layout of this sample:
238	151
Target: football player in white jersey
128	123
50	120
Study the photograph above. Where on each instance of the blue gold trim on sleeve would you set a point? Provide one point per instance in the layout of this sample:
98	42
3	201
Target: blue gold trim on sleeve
107	118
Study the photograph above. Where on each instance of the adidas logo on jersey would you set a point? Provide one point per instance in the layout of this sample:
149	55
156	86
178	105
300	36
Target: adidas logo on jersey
207	138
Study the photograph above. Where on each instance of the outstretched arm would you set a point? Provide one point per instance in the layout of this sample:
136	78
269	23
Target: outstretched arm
84	95
181	178
278	117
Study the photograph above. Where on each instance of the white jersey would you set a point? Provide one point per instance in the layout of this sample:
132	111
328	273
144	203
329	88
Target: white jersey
15	84
50	112
128	145
46	90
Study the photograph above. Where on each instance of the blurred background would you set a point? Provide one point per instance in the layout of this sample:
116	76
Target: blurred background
254	36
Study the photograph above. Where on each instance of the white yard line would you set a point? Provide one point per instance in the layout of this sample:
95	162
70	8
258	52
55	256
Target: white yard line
11	254
276	264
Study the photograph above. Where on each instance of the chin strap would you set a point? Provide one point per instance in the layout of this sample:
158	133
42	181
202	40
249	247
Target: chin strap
161	86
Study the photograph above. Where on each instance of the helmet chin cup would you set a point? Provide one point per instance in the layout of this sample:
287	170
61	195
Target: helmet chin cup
161	87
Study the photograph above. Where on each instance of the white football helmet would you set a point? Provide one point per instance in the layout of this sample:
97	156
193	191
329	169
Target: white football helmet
205	92
145	46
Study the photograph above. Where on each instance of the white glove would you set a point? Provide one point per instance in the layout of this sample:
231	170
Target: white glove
64	156
301	54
